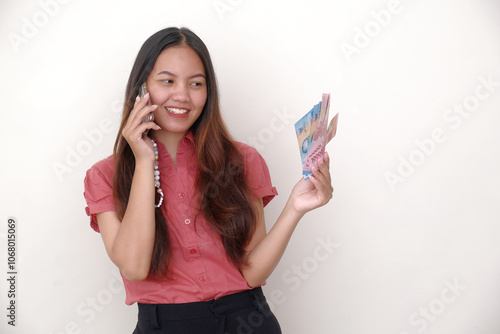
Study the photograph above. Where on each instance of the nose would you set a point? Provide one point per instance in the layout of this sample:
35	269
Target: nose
181	93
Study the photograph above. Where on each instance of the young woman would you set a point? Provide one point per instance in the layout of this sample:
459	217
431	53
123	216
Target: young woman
179	204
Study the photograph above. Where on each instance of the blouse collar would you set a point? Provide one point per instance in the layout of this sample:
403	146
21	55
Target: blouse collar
185	145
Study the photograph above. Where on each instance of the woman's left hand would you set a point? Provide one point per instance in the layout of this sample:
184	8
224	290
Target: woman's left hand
316	191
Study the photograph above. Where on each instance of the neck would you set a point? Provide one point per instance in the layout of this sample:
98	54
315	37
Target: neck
171	142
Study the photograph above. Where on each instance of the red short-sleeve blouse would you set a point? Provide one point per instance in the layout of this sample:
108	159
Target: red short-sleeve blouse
200	268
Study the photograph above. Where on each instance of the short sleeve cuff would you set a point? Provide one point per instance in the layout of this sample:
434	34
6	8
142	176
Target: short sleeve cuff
98	191
266	193
94	208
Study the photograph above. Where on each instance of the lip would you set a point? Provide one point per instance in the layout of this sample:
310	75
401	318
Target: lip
177	115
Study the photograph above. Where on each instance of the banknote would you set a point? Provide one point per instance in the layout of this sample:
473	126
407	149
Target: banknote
313	133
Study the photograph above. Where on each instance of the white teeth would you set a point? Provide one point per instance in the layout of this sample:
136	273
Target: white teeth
177	111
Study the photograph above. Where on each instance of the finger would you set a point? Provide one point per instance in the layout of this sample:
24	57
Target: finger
137	99
139	104
322	185
325	192
140	133
323	175
324	167
148	110
326	158
144	127
321	171
137	132
138	116
150	125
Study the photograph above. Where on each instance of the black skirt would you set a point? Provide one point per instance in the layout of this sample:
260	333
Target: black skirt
245	312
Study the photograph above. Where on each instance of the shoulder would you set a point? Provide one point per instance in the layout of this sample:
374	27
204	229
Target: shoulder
257	173
105	167
99	176
250	154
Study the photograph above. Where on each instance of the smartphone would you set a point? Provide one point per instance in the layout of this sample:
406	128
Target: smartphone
143	91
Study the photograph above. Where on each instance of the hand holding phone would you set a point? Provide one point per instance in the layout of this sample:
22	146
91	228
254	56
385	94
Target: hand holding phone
142	92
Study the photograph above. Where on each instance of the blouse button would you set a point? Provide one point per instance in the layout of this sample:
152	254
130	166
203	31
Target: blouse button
192	251
181	195
187	221
203	279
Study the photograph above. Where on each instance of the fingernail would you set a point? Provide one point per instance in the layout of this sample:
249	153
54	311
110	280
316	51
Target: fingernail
314	169
154	106
137	98
320	161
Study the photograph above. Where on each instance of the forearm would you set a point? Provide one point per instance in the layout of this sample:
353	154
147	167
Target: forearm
268	252
133	246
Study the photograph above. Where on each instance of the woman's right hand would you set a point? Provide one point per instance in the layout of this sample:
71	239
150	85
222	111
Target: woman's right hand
135	130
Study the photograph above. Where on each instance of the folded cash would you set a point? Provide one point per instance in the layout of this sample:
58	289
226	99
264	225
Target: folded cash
313	133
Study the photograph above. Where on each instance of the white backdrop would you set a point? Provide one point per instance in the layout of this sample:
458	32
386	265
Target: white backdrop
409	243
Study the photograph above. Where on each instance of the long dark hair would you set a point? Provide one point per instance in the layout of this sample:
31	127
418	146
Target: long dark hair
225	198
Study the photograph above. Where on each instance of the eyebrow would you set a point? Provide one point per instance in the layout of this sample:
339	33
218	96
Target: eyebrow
173	75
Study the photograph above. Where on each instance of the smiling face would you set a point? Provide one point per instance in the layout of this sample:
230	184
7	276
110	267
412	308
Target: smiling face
177	84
